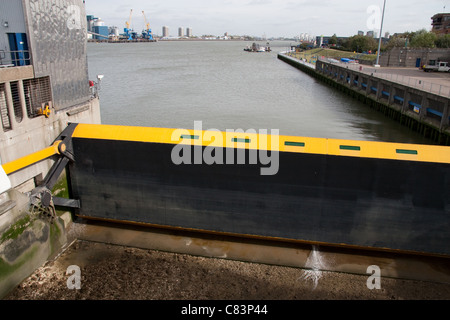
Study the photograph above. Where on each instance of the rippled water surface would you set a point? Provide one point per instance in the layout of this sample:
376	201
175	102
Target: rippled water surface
174	83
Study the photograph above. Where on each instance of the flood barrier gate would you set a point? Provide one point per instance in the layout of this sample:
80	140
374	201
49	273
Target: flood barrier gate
326	191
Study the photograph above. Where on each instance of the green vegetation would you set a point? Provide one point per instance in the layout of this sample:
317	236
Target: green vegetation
313	54
6	268
61	188
423	39
55	235
360	47
16	229
360	44
419	39
443	41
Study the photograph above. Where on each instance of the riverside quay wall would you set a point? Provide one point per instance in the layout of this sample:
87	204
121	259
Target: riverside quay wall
425	112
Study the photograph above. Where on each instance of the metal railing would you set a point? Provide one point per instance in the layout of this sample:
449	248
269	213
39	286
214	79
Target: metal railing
301	61
4	113
37	93
14	58
423	85
24	99
408	80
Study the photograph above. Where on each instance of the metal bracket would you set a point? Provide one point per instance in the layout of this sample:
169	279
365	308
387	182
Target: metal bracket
66	151
42	203
68	203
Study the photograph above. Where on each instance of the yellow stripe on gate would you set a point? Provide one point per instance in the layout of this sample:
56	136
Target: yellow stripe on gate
294	144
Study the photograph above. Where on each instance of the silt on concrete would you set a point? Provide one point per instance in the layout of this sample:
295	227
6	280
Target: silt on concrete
299	255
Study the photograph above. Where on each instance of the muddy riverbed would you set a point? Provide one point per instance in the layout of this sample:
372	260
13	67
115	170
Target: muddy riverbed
111	272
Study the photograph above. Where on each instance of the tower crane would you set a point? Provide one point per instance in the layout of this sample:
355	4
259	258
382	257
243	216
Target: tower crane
127	30
147	32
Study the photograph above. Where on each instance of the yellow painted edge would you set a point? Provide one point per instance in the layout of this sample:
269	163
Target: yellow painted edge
367	149
30	159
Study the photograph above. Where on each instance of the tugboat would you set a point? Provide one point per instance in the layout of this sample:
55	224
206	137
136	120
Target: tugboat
258	48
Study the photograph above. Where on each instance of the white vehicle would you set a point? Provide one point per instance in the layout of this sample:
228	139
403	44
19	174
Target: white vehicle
440	67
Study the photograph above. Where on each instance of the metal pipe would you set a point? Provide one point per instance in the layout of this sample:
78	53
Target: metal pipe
381	32
33	158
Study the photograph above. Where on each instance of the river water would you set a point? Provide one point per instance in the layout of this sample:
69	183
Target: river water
174	83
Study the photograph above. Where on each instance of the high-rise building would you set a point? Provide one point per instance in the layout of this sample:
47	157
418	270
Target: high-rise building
180	32
441	23
189	32
165	31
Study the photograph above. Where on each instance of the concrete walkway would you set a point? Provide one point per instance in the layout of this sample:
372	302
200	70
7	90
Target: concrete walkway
433	82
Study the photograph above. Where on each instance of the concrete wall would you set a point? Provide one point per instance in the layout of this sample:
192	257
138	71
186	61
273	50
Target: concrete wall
35	134
56	32
29	135
27	240
399	96
57	37
16	73
422	106
395	100
407	57
57	40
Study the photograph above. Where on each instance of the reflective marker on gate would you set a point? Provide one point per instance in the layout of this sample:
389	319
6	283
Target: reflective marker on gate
294	144
189	137
403	151
354	148
240	140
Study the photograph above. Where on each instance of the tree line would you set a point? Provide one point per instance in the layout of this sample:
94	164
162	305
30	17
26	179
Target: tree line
418	39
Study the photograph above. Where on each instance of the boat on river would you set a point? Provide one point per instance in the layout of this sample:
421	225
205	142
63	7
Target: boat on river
258	48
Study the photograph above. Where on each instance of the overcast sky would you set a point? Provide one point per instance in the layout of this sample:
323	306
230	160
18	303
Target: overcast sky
273	18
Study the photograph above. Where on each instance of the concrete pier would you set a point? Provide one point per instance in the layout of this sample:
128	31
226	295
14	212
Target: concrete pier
421	108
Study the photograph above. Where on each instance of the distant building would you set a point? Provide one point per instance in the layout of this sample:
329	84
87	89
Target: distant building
323	41
101	32
165	31
180	32
114	31
189	32
305	37
90	22
97	25
360	33
441	23
413	57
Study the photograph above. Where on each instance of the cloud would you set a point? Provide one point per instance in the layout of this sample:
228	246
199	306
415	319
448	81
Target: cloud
259	2
273	17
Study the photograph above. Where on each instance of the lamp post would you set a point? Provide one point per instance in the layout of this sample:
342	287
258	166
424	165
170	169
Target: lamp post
381	32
